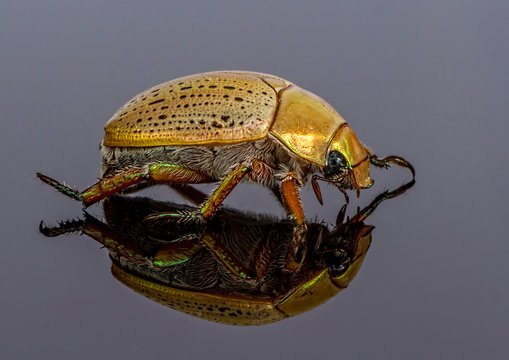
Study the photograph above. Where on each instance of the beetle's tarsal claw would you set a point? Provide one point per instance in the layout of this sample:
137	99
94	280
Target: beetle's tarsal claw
179	217
64	189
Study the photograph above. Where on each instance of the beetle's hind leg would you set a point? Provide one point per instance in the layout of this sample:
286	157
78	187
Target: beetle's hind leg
113	184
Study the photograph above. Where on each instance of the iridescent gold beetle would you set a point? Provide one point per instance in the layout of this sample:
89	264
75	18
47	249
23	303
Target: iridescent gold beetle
221	127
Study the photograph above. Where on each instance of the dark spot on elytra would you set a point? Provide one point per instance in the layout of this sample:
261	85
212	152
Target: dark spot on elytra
216	124
202	122
139	120
239	99
225	117
162	116
212	86
156	102
183	96
186	88
229	87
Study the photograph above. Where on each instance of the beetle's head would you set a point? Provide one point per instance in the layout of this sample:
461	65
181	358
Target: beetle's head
347	161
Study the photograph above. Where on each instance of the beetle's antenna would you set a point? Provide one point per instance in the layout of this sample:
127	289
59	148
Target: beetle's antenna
386	161
368	210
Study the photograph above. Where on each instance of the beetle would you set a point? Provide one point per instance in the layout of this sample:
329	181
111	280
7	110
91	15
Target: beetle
201	270
225	126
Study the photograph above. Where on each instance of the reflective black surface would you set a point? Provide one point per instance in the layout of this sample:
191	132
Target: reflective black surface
424	80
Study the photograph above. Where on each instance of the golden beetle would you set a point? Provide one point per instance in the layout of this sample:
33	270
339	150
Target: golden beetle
223	126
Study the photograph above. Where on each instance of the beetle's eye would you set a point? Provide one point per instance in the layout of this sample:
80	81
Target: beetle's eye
338	263
335	163
336	159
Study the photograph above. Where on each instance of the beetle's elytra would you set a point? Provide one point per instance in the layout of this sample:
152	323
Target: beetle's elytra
226	126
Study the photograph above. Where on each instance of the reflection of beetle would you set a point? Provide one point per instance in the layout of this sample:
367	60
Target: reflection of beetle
222	126
206	273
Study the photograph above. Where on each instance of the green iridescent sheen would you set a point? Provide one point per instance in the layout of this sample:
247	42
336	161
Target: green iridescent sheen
162	263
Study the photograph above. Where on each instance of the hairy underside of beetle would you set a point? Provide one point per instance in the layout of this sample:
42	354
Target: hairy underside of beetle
214	161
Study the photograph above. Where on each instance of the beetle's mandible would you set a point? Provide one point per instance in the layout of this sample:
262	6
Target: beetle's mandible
226	126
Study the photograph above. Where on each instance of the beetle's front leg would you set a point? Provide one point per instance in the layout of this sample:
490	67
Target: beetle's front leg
290	186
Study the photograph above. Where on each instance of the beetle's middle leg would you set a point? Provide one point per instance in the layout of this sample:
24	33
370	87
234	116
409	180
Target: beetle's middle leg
210	206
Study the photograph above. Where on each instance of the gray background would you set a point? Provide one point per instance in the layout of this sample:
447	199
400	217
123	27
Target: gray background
427	80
